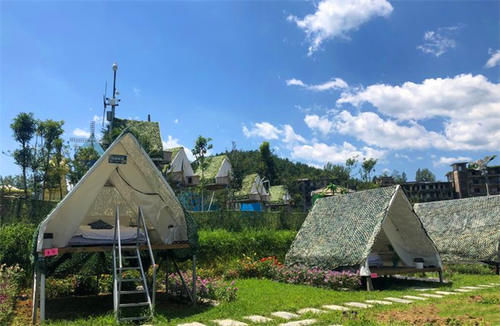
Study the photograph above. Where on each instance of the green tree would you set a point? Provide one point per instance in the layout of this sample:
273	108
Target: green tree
24	127
267	167
424	175
200	150
368	166
399	178
82	161
340	173
50	131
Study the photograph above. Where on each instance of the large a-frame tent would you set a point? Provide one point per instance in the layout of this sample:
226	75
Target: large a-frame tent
123	183
464	230
367	230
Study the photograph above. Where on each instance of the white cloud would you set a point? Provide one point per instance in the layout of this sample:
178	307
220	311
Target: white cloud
336	83
176	121
290	136
335	18
324	153
469	106
439	41
494	60
262	129
450	160
81	133
317	123
174	142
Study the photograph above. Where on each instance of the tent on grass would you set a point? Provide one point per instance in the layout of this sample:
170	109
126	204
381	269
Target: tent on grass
464	230
374	230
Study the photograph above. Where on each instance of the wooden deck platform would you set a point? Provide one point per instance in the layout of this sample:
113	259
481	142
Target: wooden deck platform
67	250
402	270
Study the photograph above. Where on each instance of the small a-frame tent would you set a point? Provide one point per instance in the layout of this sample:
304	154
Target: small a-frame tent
464	230
124	185
375	231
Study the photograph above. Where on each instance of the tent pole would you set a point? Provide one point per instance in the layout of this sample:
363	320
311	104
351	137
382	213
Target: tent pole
194	279
42	297
36	285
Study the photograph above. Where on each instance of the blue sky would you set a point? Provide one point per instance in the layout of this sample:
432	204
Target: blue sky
414	84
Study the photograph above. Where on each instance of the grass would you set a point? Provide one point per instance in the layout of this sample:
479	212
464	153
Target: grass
263	297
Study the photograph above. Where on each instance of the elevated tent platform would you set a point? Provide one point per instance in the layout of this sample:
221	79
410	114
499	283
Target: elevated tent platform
375	231
464	230
123	201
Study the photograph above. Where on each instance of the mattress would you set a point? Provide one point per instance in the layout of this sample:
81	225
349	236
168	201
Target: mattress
86	236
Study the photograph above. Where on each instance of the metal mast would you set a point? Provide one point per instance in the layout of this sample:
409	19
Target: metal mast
113	102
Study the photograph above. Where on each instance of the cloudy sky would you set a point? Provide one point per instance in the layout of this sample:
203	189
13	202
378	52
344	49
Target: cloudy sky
412	83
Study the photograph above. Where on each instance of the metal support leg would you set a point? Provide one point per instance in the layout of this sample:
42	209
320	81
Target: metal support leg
194	279
182	280
497	268
369	284
36	286
440	276
42	297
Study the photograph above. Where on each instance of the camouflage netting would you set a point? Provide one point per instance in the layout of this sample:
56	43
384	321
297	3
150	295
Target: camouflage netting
466	230
340	230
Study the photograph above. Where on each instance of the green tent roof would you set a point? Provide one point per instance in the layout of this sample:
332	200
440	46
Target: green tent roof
464	229
146	132
277	193
246	185
214	164
174	151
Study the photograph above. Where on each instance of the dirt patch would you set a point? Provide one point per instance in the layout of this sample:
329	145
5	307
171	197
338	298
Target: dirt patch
476	298
427	315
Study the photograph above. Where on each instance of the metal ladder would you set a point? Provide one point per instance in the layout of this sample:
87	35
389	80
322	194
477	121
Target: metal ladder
132	255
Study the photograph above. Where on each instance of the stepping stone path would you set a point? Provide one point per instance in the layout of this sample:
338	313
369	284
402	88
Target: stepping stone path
335	307
300	322
358	305
429	295
379	302
229	322
258	319
486	286
285	314
412	297
398	300
311	310
463	290
471	287
422	289
445	292
192	324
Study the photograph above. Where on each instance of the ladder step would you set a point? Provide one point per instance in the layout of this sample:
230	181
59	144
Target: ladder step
130	280
129	268
132	292
129	257
127	247
133	318
134	304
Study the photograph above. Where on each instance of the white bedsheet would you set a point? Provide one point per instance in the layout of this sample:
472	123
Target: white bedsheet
126	233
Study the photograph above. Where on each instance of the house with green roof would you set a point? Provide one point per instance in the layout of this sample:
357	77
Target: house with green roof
178	170
253	194
464	230
373	231
218	171
278	196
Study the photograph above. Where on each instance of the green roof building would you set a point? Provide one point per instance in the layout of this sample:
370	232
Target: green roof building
252	189
278	196
178	169
218	171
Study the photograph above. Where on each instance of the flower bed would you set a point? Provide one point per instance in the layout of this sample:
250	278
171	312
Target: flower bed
10	283
271	268
209	288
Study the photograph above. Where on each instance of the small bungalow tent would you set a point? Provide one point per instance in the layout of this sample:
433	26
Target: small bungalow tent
253	194
122	184
179	168
218	171
464	230
278	196
374	230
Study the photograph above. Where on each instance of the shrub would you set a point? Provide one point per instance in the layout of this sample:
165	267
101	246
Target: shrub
209	288
59	287
15	244
10	283
482	269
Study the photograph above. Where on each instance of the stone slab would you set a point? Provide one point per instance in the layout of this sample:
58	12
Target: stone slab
310	310
335	307
300	322
229	322
413	297
422	289
285	314
358	305
398	300
258	319
445	292
471	287
378	302
191	324
486	286
462	290
430	295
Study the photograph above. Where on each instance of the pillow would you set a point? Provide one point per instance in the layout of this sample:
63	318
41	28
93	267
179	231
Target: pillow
100	225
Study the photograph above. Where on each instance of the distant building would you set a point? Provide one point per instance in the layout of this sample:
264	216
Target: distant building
178	169
418	192
467	182
307	186
278	197
253	194
218	172
385	181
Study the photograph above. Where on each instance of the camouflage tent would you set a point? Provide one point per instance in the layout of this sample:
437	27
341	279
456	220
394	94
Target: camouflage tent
358	229
464	229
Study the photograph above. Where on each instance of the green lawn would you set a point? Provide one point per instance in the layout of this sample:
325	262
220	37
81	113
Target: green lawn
263	297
